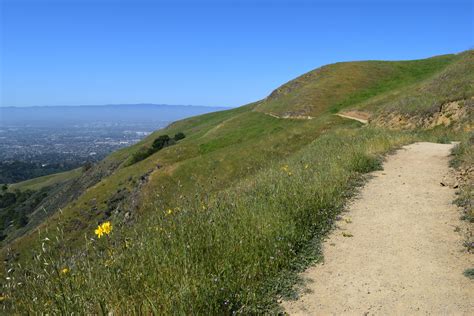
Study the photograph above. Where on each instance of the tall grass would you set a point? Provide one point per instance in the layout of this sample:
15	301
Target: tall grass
211	254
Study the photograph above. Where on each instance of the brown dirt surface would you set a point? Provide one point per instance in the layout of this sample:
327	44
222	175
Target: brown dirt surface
362	117
397	249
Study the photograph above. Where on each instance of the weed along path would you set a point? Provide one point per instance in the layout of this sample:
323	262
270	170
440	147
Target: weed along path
396	250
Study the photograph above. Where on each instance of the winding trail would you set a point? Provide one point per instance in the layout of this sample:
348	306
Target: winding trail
396	250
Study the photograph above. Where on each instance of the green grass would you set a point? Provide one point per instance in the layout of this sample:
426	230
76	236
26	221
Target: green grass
338	86
45	181
463	159
216	253
454	82
403	74
412	87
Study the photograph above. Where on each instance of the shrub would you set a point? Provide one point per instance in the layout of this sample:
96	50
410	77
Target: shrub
141	154
160	142
469	273
179	136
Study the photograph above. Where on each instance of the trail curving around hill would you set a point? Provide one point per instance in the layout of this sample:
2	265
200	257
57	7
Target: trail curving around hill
397	250
357	116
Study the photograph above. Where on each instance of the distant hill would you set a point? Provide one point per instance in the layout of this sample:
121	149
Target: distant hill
116	113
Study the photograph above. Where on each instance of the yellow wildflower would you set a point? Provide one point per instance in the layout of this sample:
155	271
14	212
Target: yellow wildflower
104	228
99	232
107	228
169	211
64	270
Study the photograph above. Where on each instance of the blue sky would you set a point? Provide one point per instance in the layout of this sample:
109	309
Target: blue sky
222	53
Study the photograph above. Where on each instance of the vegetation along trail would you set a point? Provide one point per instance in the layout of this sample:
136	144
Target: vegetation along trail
396	250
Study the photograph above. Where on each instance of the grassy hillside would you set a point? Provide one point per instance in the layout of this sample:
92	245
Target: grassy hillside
454	82
45	181
219	149
337	86
218	221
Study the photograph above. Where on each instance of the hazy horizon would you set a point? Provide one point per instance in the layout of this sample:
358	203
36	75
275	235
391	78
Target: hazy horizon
51	116
112	104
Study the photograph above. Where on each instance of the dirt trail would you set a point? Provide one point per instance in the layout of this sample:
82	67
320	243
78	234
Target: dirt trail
404	256
354	115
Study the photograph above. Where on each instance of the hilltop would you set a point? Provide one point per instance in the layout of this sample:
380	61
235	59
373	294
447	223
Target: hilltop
215	221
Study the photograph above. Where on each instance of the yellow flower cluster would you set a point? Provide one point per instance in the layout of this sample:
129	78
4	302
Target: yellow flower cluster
286	169
104	228
64	270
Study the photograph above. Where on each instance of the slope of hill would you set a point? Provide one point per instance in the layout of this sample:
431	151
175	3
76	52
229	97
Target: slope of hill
336	86
217	221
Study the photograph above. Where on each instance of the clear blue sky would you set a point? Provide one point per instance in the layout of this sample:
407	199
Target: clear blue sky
224	53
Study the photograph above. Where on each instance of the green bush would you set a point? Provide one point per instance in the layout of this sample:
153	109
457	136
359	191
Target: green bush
158	144
141	154
179	136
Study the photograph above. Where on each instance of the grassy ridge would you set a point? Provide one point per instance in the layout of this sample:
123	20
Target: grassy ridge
454	82
340	85
211	254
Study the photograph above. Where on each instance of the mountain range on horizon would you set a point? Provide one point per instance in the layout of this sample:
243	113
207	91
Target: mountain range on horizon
77	114
109	105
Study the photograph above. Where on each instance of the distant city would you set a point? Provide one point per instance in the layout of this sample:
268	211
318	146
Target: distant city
69	144
36	141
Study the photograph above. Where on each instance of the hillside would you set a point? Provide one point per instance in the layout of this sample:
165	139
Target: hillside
336	86
217	218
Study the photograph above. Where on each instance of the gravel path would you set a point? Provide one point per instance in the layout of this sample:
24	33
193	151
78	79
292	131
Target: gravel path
396	250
